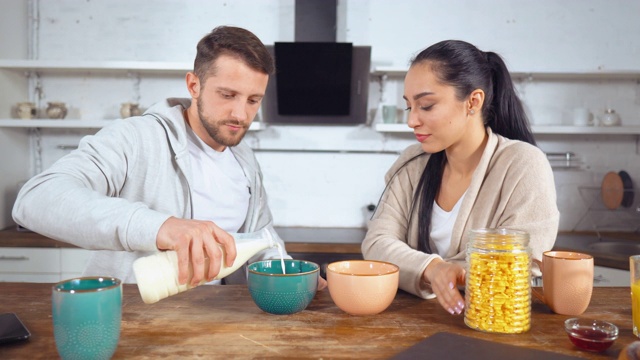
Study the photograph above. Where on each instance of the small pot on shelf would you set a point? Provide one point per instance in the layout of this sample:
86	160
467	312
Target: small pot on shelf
610	118
130	109
56	110
26	110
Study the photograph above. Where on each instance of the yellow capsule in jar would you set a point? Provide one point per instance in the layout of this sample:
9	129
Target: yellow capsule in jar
498	294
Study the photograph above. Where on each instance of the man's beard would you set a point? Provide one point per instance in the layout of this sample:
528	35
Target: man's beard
213	129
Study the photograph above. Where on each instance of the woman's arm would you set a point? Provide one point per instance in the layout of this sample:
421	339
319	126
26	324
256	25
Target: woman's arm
387	236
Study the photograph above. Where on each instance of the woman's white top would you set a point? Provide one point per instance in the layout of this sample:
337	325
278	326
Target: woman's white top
442	226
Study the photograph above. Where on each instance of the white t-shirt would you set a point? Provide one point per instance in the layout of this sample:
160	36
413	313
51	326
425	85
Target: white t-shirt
442	226
219	188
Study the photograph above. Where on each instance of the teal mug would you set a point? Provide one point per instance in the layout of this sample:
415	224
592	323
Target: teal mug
86	317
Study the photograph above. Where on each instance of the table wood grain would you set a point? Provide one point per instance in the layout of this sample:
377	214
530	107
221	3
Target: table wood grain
223	322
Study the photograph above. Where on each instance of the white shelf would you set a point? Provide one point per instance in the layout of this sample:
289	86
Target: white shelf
102	66
586	130
393	128
538	75
550	130
389	71
168	67
75	124
54	123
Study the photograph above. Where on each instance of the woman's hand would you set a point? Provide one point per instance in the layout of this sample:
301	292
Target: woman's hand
444	278
322	283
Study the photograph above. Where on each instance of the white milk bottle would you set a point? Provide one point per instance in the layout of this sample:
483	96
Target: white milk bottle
157	275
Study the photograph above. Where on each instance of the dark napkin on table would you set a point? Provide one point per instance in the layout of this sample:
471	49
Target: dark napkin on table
450	346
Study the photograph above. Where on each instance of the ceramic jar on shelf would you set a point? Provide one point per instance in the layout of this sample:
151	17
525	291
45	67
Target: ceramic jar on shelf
610	118
56	110
129	109
26	110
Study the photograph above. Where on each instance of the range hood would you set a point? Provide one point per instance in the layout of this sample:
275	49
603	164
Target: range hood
316	20
318	81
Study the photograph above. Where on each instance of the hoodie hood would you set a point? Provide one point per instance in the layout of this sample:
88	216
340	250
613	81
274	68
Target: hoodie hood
169	114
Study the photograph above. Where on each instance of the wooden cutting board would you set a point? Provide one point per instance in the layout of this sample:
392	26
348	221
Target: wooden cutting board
612	190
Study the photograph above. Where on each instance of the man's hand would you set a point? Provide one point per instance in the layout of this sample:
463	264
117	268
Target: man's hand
195	240
444	278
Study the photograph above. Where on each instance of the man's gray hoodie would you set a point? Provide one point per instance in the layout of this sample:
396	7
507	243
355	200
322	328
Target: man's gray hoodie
115	191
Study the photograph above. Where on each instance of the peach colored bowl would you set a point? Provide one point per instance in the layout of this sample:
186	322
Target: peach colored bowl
362	287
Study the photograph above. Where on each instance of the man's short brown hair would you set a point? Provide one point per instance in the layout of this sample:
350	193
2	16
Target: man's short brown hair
233	41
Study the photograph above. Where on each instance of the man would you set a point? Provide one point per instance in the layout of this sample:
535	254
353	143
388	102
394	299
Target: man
176	178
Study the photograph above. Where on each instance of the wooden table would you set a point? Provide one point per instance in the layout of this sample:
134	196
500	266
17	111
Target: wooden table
223	322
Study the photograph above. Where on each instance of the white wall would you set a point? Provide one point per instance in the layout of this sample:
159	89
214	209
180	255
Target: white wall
534	35
14	144
13	20
325	176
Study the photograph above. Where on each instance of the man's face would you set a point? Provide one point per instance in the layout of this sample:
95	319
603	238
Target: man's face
227	102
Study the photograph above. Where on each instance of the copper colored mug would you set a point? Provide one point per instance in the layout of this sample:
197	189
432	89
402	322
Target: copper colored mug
567	281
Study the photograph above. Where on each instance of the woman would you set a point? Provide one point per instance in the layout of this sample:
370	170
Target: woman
476	166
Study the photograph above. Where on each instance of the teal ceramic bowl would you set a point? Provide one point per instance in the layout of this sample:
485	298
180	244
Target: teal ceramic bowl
282	294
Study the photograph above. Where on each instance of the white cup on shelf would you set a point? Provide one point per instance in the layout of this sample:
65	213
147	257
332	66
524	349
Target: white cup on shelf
389	114
582	117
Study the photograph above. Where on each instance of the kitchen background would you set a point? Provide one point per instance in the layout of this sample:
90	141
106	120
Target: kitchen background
564	55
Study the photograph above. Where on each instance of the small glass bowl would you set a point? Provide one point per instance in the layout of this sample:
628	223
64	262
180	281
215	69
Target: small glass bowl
591	335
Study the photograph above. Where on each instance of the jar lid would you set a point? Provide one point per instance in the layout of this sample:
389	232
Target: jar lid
498	239
500	231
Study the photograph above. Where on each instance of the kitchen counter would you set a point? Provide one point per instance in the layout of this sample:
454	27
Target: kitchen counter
297	239
346	241
583	241
223	322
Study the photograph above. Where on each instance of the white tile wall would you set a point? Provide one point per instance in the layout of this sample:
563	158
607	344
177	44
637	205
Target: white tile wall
329	188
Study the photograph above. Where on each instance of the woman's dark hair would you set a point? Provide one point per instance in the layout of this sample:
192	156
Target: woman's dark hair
234	41
466	68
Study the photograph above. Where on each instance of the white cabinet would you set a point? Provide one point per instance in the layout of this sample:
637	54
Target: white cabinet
30	264
605	276
73	262
43	265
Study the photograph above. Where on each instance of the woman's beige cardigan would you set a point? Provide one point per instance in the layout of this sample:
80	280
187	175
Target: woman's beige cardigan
512	187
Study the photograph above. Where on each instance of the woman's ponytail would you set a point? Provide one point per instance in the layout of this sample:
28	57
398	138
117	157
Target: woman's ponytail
505	114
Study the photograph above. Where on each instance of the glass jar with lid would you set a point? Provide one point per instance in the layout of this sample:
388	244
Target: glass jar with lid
498	281
610	118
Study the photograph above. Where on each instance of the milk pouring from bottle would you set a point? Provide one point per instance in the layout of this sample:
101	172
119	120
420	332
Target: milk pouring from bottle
157	275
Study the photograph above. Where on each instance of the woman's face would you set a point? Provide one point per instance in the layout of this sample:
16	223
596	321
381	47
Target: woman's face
438	119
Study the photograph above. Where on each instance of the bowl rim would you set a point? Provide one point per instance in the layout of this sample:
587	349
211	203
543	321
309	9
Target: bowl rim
317	268
589	321
113	282
396	268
